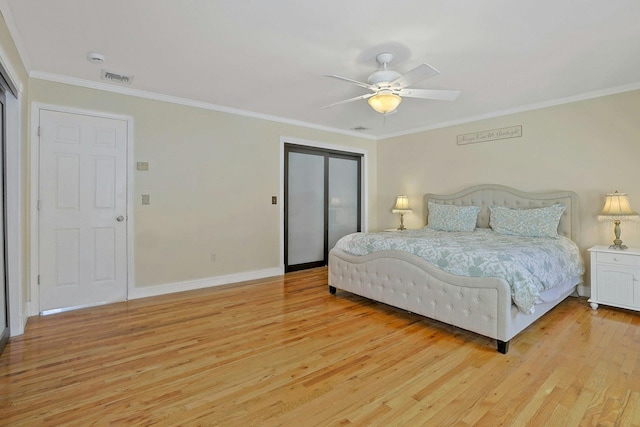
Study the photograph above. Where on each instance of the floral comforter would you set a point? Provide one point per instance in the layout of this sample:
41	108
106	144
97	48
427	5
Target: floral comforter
529	264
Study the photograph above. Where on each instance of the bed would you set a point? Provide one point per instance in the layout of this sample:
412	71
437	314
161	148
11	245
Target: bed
483	305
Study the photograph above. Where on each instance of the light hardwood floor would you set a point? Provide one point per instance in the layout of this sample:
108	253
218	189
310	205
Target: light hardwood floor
283	351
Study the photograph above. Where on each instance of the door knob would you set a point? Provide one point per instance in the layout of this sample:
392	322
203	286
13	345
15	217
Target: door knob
120	218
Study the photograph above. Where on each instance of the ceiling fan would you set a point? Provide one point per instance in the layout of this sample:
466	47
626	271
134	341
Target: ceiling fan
388	86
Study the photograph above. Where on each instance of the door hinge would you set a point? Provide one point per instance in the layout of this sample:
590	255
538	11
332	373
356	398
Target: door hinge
38	279
38	207
38	130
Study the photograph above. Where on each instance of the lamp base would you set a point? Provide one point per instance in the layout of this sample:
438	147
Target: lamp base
401	222
617	242
619	246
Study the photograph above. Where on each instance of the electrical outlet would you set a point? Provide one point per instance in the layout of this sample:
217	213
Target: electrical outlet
213	257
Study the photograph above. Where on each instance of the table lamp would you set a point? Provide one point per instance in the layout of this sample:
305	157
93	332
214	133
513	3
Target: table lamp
617	208
402	207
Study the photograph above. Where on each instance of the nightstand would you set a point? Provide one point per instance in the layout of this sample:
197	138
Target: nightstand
615	277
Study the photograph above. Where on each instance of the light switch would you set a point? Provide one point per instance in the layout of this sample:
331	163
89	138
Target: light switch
142	166
145	199
274	200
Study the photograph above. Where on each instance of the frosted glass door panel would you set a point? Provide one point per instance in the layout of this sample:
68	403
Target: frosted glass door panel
305	204
343	198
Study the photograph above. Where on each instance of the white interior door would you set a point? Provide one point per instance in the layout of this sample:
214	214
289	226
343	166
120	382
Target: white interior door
82	210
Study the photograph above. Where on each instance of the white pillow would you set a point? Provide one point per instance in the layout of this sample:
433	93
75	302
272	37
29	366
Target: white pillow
452	217
536	222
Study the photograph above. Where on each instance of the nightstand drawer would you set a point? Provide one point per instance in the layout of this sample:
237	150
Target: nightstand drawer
621	259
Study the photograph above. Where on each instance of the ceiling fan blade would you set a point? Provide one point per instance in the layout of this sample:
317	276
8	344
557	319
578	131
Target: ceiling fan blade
362	84
441	95
421	72
357	98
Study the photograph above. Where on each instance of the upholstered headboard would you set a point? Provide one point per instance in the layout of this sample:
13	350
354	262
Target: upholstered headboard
499	195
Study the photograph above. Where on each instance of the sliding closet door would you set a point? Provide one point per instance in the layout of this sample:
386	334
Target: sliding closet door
344	197
322	203
305	209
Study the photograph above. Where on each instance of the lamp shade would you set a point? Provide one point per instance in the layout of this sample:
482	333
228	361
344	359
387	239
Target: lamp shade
617	208
384	102
402	205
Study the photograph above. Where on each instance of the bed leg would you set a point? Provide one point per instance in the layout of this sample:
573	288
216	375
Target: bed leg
503	346
332	290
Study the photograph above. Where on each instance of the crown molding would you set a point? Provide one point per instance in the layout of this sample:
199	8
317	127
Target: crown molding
5	11
107	87
220	108
551	103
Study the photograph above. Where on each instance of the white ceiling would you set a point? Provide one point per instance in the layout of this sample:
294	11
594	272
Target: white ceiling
270	57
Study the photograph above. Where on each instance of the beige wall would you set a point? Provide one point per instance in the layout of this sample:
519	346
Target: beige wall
591	147
211	178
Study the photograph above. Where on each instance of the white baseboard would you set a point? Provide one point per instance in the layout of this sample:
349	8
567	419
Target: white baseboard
32	309
584	291
151	291
22	320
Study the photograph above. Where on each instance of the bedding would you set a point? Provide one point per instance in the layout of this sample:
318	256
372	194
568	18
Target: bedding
452	217
537	222
530	265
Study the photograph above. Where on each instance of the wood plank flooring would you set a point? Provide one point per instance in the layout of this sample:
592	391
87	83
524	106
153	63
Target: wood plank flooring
284	352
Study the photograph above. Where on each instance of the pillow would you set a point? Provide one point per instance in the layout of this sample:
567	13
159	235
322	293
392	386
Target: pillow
537	222
451	217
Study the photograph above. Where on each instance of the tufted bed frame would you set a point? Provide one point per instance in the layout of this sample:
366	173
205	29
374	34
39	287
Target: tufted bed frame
479	304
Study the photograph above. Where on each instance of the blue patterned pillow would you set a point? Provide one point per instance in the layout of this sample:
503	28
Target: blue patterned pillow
537	222
451	217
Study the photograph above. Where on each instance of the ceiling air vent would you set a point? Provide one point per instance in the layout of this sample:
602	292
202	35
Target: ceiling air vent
115	77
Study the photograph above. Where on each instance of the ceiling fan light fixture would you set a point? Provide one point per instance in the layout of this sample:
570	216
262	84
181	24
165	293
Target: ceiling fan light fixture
387	86
384	103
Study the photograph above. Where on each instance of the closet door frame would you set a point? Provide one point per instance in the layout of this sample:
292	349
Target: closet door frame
14	99
327	154
5	328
